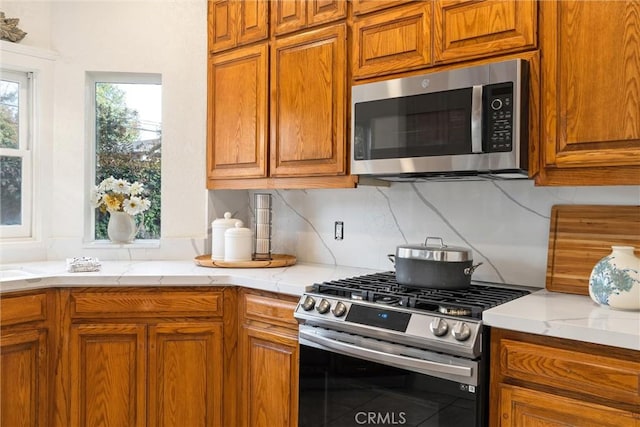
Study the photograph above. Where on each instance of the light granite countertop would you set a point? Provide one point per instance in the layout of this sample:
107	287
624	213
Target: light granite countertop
553	314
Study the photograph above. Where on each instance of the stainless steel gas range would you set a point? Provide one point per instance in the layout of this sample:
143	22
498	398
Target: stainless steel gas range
373	352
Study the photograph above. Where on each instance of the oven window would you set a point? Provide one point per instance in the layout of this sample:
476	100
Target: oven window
431	124
342	391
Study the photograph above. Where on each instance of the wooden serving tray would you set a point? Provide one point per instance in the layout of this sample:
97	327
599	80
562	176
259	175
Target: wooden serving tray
277	260
580	236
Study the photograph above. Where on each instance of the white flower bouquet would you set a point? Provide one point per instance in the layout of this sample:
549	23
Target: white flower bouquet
119	195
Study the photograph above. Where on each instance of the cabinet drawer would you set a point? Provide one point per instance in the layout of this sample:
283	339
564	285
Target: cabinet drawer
575	371
272	310
146	304
21	309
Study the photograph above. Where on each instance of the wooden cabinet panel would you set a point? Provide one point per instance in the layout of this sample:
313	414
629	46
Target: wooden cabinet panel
267	309
322	11
524	407
291	15
237	125
21	309
24	378
470	28
544	381
361	7
590	93
186	374
233	23
397	39
288	16
134	303
571	370
308	103
108	375
269	378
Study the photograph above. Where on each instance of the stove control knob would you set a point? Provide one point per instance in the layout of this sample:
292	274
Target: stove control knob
439	327
323	306
308	303
339	310
461	331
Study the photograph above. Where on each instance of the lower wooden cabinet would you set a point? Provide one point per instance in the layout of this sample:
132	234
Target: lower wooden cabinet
544	381
268	360
24	360
146	357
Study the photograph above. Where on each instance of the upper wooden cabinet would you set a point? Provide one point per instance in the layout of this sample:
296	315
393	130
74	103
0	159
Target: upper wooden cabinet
237	125
308	103
397	39
233	23
590	82
292	15
466	29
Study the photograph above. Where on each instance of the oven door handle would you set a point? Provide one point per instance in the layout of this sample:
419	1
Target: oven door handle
421	365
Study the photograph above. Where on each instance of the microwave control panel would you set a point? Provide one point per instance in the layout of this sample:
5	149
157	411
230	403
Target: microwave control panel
498	117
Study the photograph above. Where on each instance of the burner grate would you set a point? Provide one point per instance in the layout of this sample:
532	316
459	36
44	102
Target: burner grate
382	288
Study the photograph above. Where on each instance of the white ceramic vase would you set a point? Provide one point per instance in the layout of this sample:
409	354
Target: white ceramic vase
615	280
121	228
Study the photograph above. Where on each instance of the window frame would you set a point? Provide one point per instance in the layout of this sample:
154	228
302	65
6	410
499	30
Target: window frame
26	143
93	77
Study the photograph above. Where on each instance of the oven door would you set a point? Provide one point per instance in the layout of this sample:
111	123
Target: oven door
348	380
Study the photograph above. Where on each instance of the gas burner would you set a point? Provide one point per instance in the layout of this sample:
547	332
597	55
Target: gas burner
388	300
455	311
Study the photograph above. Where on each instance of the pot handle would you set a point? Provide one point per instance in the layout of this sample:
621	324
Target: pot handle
469	270
392	258
442	245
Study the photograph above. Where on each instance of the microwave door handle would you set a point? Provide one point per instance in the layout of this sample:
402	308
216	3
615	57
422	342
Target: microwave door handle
476	119
424	366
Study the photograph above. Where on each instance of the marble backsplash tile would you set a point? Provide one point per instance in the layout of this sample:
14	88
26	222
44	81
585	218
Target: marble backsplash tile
505	223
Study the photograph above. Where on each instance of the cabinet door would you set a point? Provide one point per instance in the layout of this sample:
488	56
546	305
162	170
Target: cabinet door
252	21
269	378
185	374
23	379
237	110
288	16
465	29
524	407
308	103
590	125
322	11
233	23
394	40
108	375
221	24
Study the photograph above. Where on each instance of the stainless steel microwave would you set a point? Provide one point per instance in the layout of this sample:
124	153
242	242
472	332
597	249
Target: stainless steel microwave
458	123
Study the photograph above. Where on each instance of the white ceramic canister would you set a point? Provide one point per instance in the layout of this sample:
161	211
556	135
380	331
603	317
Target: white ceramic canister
218	227
615	280
238	243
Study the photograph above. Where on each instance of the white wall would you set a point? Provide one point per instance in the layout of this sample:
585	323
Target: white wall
167	37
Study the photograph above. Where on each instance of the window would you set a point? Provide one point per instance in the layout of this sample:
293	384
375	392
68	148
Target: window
15	154
127	128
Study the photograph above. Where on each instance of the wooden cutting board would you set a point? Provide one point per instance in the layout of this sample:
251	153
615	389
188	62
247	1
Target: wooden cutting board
581	235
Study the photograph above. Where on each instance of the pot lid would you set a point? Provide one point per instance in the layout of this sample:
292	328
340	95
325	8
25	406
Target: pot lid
437	252
238	230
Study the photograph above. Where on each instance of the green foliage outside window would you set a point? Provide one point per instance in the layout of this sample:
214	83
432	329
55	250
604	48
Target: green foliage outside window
118	155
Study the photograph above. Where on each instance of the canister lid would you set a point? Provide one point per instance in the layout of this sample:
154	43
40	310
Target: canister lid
225	222
238	230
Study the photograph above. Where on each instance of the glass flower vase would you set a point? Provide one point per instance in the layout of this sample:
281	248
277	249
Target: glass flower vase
615	280
121	227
